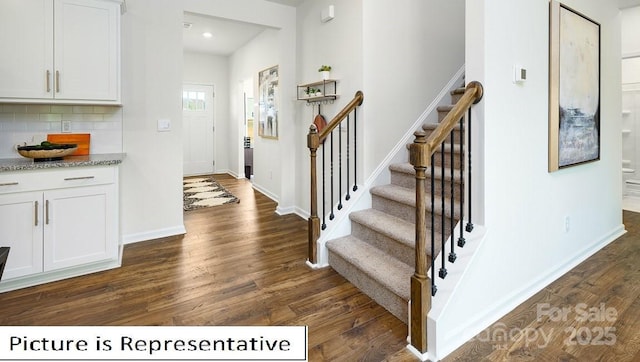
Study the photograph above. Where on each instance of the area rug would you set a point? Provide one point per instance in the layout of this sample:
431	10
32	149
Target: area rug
202	192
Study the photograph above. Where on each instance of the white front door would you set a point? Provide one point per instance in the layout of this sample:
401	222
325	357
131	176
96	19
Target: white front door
197	135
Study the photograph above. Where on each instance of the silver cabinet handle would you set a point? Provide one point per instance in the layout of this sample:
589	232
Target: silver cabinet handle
48	81
79	178
9	184
36	213
46	214
57	81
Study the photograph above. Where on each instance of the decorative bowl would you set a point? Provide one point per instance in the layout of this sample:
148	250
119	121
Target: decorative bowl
48	152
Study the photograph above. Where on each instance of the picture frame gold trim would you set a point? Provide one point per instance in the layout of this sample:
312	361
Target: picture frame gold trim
574	88
268	101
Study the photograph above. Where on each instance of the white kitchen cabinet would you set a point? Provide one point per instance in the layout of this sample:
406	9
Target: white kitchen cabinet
60	51
58	223
21	230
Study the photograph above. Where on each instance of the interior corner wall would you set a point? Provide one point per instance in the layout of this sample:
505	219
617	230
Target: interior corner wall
338	43
151	174
411	50
208	69
526	209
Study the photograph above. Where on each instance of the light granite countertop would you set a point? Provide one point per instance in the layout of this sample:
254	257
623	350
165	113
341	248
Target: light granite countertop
24	164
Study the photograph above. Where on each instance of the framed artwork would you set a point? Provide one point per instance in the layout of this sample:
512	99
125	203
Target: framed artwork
574	82
268	103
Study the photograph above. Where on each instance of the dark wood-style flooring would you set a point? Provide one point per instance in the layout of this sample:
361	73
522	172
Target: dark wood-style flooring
241	264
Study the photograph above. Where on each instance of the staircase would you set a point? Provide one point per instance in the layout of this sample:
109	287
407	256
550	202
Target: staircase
378	257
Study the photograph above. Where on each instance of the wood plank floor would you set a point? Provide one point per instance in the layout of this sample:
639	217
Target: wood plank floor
241	264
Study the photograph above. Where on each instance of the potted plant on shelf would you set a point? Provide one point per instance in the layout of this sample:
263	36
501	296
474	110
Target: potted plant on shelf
325	71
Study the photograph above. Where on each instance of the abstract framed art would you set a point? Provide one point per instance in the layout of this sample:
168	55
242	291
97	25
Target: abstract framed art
574	88
268	103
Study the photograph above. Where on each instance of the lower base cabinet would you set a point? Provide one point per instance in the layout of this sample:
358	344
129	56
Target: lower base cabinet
58	223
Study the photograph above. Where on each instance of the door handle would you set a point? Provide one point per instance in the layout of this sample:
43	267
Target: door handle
57	81
9	184
36	213
46	213
79	178
48	81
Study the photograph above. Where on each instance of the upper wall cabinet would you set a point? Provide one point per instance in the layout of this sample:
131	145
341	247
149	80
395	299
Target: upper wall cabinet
60	51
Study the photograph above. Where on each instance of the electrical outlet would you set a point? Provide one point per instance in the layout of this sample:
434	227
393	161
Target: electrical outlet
66	126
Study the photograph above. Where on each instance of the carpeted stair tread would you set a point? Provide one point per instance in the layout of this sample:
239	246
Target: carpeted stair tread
446	108
407	197
407	168
388	225
393	274
458	91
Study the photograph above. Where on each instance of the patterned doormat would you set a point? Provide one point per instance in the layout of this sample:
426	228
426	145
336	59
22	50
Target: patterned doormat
202	192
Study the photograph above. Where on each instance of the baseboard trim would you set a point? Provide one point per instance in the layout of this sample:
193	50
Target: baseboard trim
153	234
464	333
266	193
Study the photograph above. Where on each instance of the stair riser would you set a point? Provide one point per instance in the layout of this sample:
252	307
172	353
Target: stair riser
409	181
408	213
437	162
390	246
456	97
387	299
442	114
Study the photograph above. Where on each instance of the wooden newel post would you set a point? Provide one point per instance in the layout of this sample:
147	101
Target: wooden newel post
313	142
420	283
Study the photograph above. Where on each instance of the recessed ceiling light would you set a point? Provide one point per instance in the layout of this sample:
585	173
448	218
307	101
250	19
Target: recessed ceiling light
207	35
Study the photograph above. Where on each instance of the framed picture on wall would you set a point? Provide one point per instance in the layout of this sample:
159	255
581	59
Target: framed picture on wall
574	94
268	103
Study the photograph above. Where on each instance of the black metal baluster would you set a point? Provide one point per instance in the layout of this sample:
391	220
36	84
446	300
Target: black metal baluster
443	247
348	161
452	254
469	227
434	289
324	190
355	150
340	166
331	216
461	239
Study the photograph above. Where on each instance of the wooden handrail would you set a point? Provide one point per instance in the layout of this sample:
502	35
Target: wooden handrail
420	155
314	140
355	102
473	94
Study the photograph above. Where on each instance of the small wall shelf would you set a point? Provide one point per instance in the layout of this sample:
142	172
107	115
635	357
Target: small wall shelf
328	91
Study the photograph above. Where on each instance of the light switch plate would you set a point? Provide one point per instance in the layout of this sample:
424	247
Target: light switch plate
66	127
164	125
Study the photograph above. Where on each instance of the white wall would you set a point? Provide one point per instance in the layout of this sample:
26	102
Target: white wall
525	206
396	53
259	54
274	160
411	49
151	175
630	28
213	70
337	43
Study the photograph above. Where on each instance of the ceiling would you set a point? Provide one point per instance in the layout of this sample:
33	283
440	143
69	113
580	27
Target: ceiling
228	35
628	3
293	3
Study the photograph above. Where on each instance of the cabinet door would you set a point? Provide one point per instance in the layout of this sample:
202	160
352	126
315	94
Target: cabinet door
26	43
21	230
87	50
79	226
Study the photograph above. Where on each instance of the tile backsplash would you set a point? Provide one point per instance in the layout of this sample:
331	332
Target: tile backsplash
30	124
